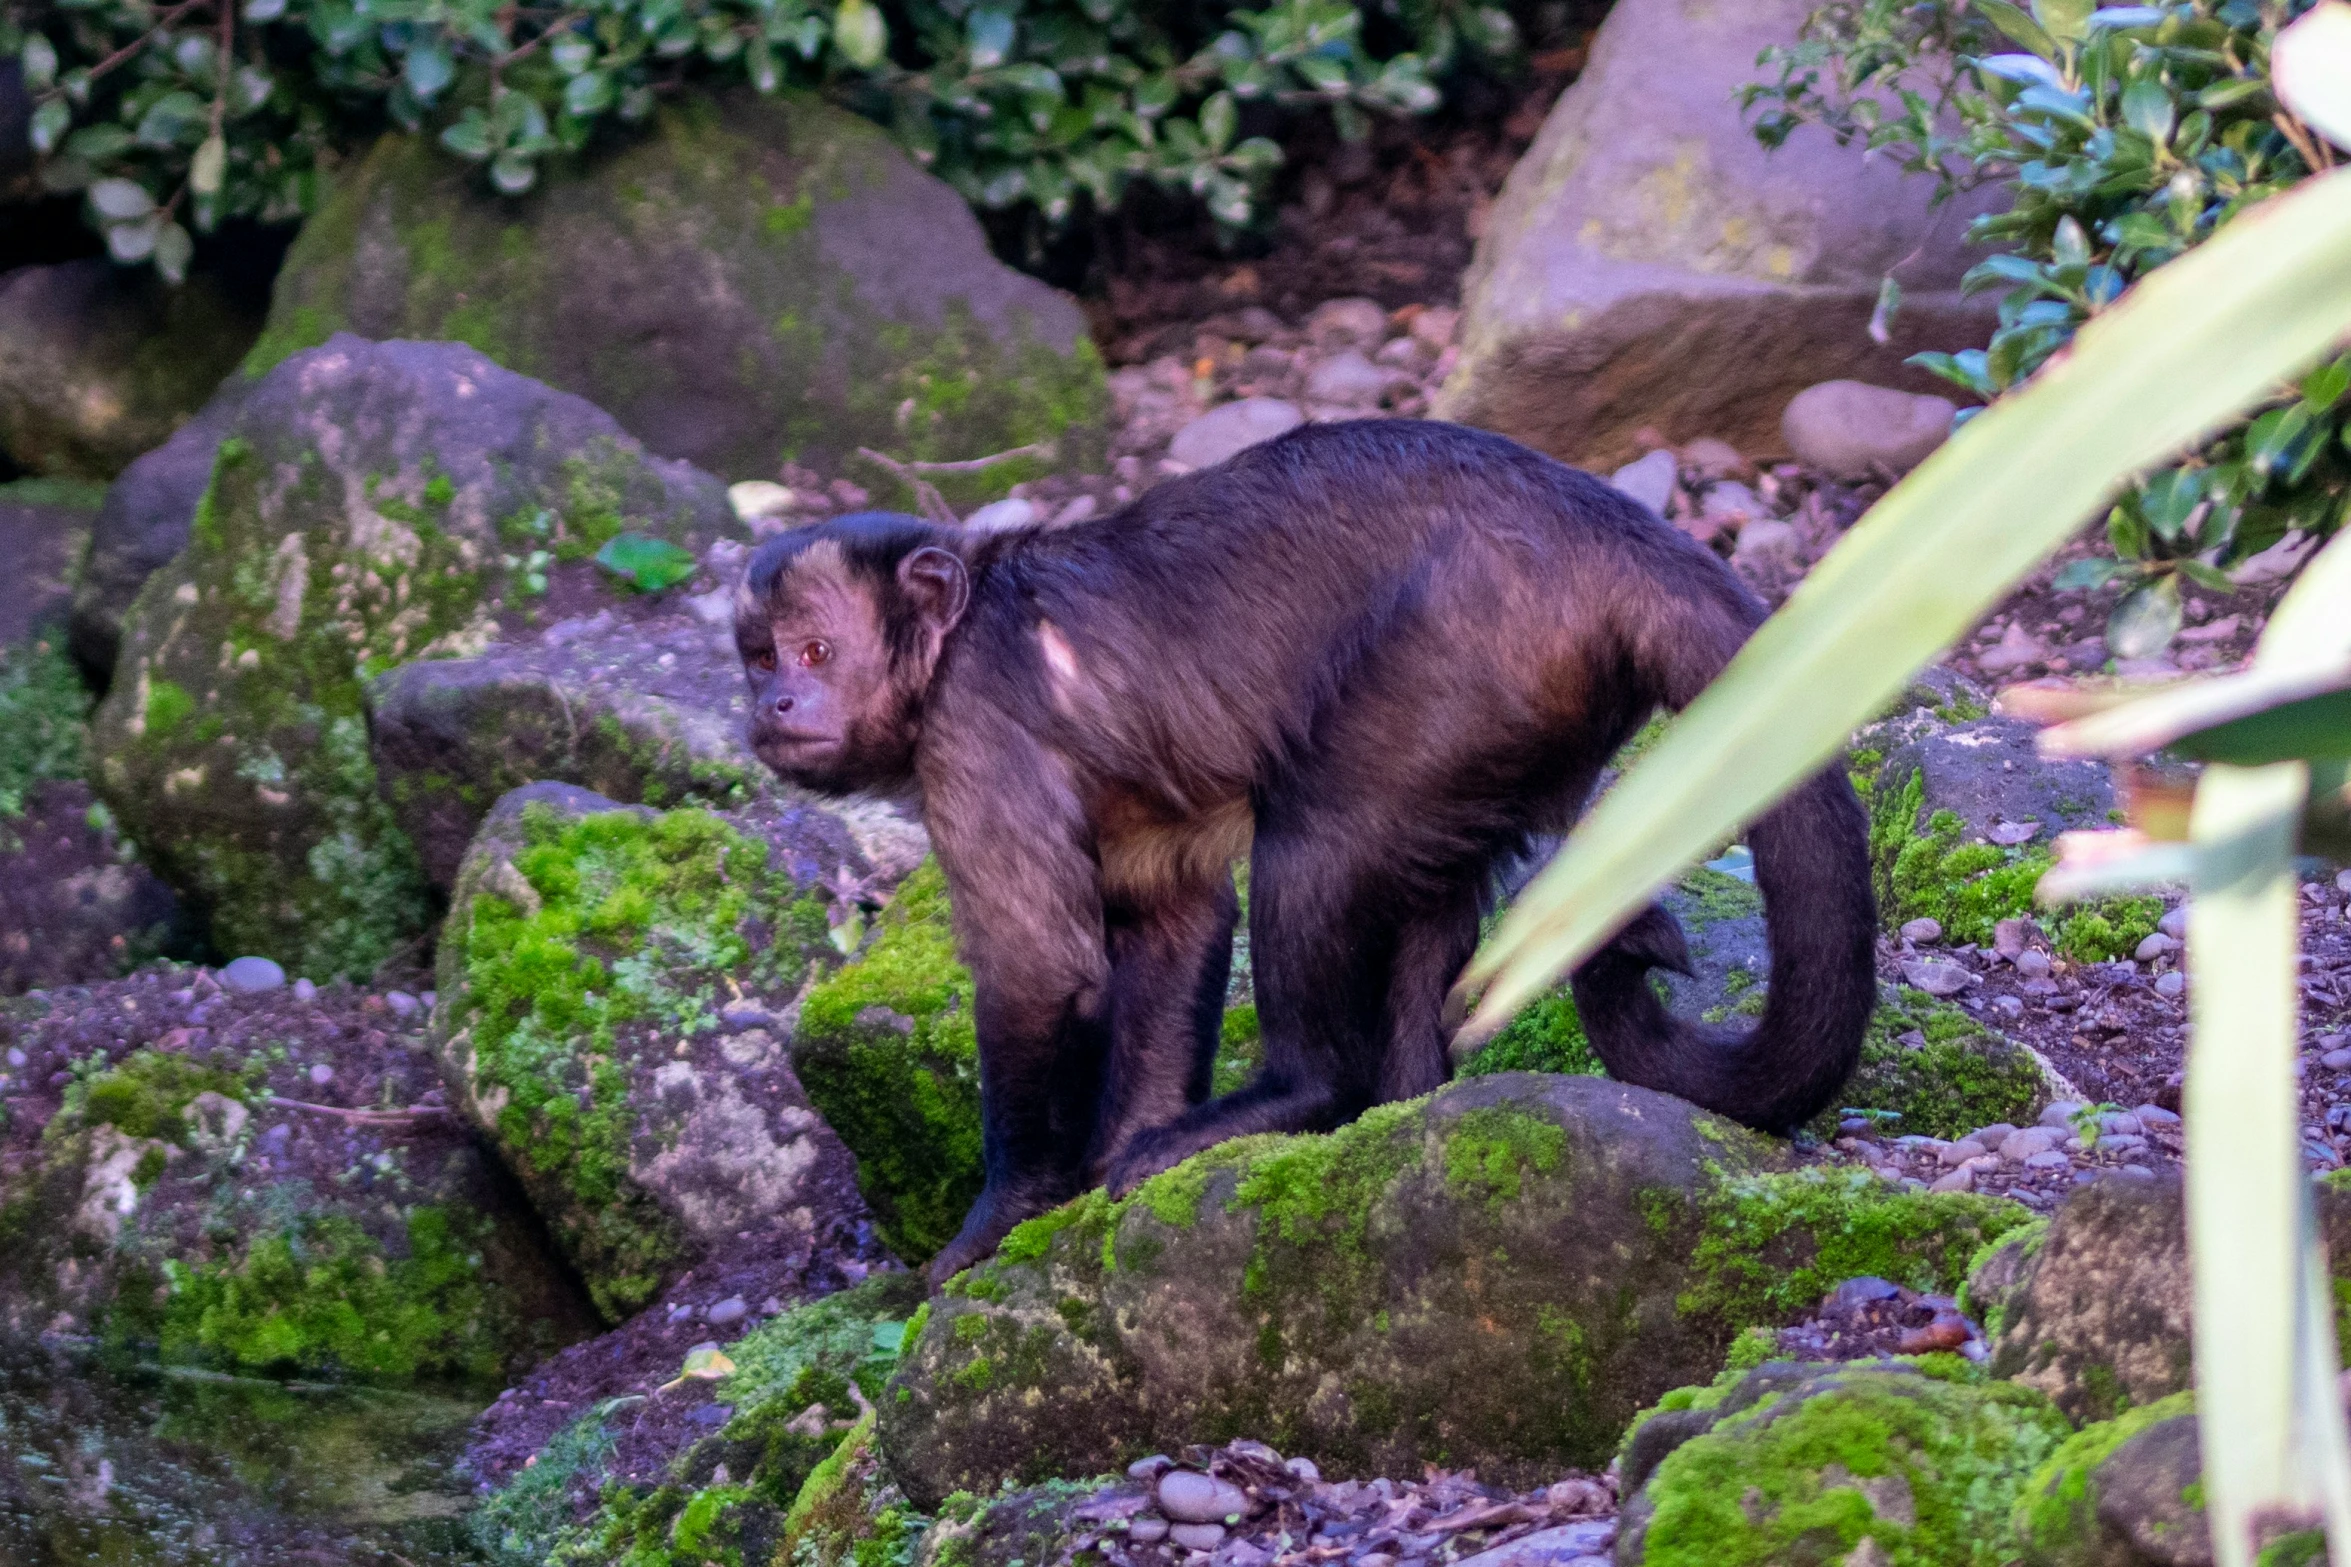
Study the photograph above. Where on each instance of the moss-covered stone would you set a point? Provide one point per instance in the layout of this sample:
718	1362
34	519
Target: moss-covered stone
799	1404
887	1050
587	957
147	1222
1808	1465
353	522
1498	1275
751	280
1934	1071
2058	1514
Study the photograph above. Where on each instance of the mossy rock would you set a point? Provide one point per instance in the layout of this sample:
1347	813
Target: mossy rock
147	1223
1017	1528
2117	1494
1929	1069
2097	1310
1498	1275
361	513
614	986
887	1049
1904	1465
792	1433
747	281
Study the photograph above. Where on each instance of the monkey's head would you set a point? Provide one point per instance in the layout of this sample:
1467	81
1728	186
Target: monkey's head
840	627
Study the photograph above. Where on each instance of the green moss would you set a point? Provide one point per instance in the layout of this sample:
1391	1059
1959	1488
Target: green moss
1772	1245
1750	1349
1984	1294
1926	1469
1489	1152
57	494
642	921
146	1095
1240	1048
2056	1513
521	1523
1546	1036
42	707
1929	872
1963	1076
325	1296
1714	896
887	1052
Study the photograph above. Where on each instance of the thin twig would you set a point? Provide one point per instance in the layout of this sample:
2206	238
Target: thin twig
130	49
1042	449
405	1117
2317	155
927	498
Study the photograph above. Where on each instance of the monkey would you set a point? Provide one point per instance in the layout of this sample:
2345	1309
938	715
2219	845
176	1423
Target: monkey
1375	659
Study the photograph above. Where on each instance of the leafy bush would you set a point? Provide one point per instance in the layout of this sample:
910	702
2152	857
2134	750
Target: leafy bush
2126	135
173	117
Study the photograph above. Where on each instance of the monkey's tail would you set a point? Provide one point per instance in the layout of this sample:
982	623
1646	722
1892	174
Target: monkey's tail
1812	866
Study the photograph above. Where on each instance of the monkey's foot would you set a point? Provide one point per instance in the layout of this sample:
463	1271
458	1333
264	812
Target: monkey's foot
992	1218
1143	1157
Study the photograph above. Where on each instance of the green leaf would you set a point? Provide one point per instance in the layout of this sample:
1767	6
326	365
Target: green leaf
590	92
173	250
861	33
2088	572
427	69
2147	109
988	34
120	200
2018	24
2068	20
38	61
513	172
468	135
645	563
49	123
1219	118
2146	620
210	167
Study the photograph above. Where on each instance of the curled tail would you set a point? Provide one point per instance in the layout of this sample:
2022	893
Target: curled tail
1812	867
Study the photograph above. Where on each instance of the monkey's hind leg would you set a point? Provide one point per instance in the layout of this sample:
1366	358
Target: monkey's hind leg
1169	966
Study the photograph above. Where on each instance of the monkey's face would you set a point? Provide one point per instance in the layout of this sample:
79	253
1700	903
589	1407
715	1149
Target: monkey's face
838	654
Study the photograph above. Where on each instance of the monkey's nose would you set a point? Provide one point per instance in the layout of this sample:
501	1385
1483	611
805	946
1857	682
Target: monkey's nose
783	704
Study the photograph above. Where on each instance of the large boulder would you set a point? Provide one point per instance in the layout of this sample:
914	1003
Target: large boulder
1864	1464
2123	1492
643	702
747	282
2097	1310
613	1010
142	524
260	1183
373	503
99	363
1650	264
1498	1275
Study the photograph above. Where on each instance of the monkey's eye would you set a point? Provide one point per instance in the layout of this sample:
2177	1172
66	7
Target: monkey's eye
763	661
814	652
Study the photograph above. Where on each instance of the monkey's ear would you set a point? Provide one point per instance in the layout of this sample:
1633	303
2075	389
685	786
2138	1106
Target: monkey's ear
937	583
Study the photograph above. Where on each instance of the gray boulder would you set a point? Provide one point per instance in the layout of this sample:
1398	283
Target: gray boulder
635	1073
1650	264
1988	771
746	282
142	525
2121	1493
372	504
99	363
1498	1275
1853	431
642	702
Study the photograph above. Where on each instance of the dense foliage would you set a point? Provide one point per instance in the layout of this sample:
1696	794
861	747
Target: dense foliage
174	116
2126	134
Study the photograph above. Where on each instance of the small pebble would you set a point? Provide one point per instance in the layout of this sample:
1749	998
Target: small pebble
1304	1469
431	999
2175	924
2336	1060
2051	1159
322	1074
1987	1138
2121	1142
1197	1536
2011	937
2008	1006
1925	932
304	990
1937	977
1857	1126
1856	1293
2171	984
773	1306
2152	1116
728	1312
2120	1123
1959	1180
2138	1172
1187	1496
404	1006
2156	946
1147	1530
16	1057
1150	1468
250	976
2025	1146
2060	1113
2033	963
1955	1154
678	1314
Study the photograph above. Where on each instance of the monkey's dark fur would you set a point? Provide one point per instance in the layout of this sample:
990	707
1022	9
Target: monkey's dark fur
1373	658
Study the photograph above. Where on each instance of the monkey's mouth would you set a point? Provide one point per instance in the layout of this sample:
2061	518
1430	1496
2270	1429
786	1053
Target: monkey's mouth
787	747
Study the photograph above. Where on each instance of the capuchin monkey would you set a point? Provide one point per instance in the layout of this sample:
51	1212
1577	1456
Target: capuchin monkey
1373	658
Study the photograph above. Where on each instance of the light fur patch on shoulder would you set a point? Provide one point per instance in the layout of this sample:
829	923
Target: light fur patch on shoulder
1061	665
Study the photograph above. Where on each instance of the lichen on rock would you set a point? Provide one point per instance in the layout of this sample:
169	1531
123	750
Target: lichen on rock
354	520
587	973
